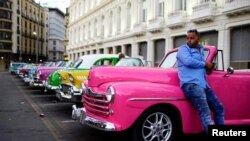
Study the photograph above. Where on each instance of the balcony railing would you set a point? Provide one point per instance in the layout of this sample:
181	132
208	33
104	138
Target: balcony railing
156	25
176	19
236	7
204	12
139	29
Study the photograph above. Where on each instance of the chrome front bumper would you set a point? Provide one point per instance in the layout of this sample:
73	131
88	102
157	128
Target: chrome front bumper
50	87
80	114
35	84
73	94
26	79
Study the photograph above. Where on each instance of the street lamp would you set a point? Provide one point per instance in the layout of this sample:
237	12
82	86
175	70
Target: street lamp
36	47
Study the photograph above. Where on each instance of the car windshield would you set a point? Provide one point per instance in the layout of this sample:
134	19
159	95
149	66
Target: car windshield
60	63
69	64
170	60
77	63
130	62
16	65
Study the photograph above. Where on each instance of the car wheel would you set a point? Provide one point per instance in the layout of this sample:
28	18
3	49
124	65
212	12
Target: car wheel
157	124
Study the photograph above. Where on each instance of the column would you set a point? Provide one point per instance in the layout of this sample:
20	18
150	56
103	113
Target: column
105	50
134	49
169	45
98	51
221	36
226	48
123	49
150	52
114	50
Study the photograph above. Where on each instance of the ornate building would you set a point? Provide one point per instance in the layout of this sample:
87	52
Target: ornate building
34	26
150	28
23	26
8	44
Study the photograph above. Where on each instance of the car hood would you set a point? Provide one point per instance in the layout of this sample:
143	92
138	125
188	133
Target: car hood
79	77
64	74
100	75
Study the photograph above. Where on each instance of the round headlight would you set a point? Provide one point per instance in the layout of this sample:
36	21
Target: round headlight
71	79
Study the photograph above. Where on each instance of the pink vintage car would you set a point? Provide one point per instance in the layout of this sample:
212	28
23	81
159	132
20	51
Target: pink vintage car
39	77
149	101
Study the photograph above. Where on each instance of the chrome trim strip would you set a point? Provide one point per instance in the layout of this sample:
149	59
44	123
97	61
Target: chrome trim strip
156	99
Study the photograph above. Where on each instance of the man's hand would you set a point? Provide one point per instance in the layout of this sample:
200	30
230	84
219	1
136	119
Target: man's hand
209	67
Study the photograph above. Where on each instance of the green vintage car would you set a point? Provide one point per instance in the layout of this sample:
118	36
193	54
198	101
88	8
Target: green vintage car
84	63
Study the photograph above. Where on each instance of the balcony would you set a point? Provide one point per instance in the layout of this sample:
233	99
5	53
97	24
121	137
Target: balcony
156	25
203	12
176	19
99	39
139	29
236	7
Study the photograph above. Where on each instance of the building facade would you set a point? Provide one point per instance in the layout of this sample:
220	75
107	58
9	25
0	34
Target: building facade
56	35
23	29
7	43
150	28
33	28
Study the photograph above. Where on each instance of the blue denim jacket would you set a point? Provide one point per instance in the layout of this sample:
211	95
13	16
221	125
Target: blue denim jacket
191	66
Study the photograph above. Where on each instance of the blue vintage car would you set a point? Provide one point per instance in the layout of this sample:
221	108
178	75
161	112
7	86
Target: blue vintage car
14	66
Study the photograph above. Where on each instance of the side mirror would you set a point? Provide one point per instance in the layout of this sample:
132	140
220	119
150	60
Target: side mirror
230	70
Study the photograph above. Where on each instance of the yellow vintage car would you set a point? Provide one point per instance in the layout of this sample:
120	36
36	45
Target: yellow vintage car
71	79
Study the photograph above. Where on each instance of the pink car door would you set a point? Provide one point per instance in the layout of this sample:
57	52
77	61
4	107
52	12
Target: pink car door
234	92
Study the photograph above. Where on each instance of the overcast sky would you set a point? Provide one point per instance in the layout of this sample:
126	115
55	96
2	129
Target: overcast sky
60	4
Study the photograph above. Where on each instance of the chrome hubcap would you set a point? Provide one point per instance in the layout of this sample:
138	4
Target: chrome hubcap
157	127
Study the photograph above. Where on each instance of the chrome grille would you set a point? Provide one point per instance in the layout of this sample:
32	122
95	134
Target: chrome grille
65	88
96	103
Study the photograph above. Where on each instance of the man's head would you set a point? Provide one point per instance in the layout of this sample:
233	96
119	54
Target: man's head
121	55
193	38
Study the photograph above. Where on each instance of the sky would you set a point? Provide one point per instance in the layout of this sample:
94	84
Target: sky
60	4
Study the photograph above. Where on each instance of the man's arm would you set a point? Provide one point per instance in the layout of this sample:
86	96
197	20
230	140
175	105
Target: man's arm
185	57
209	67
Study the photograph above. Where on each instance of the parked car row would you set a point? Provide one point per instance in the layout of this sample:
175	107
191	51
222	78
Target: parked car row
65	78
119	95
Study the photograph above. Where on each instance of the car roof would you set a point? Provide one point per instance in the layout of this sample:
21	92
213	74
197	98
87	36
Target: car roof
89	60
94	56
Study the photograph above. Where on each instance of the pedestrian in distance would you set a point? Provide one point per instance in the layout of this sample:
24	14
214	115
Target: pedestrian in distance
192	72
120	56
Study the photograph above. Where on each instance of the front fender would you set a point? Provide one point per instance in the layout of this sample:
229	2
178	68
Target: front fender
45	74
54	78
136	97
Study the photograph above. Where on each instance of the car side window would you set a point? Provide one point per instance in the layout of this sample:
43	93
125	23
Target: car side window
170	60
103	62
